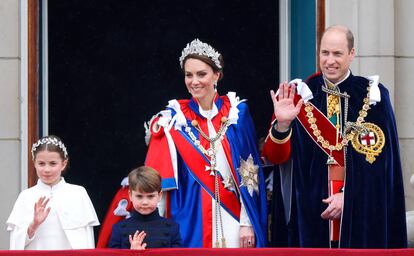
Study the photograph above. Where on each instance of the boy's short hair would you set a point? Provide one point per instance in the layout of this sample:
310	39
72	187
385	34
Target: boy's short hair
145	179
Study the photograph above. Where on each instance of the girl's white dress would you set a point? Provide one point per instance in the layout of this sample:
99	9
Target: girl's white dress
69	224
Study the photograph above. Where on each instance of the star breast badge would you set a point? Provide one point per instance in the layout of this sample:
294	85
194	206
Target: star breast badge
248	172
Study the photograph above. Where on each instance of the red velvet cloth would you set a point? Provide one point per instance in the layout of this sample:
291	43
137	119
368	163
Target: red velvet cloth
223	252
110	218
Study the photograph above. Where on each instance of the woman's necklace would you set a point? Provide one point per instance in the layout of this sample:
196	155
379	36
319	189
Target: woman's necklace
211	152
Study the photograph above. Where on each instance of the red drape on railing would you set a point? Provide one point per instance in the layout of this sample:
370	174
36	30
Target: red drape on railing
220	252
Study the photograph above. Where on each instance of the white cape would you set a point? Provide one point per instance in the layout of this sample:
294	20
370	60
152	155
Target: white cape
75	214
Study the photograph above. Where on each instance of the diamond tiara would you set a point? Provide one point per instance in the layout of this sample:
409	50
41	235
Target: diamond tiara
49	140
200	48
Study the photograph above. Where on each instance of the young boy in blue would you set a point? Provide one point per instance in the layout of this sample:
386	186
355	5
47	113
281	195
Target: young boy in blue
145	228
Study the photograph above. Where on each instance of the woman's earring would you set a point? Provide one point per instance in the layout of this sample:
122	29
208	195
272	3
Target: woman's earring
215	85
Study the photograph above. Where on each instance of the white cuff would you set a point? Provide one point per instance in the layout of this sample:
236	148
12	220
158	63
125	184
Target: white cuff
244	218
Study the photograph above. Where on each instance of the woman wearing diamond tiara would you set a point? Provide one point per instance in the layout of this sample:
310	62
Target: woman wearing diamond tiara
53	214
205	149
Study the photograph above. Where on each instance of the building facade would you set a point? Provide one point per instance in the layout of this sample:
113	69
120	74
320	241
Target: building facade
384	44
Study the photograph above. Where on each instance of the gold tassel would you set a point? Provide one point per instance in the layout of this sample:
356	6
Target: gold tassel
217	244
223	242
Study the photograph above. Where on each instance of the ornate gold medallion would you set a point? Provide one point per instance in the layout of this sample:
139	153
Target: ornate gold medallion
370	142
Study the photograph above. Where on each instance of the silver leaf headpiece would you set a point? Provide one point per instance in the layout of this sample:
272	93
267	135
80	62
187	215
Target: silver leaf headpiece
200	48
49	140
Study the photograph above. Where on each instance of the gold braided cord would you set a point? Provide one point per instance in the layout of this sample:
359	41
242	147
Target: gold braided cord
333	105
280	141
